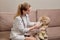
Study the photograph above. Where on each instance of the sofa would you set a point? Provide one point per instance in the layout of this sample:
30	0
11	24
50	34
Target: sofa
7	18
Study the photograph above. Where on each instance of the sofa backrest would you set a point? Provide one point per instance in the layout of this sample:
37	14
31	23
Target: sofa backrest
32	16
54	15
7	18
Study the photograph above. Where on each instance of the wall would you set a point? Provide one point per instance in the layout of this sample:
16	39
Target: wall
11	5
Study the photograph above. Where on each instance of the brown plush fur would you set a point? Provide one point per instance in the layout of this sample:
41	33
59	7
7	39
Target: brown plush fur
43	32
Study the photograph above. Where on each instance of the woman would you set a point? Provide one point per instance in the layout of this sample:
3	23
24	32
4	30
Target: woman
21	24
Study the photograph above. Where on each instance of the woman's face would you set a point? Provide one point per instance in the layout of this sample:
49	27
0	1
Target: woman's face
27	11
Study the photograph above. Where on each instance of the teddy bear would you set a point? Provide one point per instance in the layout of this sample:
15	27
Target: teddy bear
43	28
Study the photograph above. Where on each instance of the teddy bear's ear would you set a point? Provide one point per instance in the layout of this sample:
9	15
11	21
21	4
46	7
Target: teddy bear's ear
41	18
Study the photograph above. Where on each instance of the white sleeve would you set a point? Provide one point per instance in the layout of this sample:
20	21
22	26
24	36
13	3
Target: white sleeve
20	26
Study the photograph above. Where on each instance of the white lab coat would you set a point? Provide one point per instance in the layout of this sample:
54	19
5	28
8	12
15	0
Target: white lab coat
18	30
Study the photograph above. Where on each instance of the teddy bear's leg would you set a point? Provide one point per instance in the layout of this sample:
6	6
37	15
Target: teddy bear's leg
41	39
46	36
41	36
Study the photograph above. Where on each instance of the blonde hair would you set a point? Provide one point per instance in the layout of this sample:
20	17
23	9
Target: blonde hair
21	7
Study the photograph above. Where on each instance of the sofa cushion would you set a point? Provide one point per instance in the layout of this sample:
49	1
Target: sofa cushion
53	32
5	35
54	15
4	39
54	39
